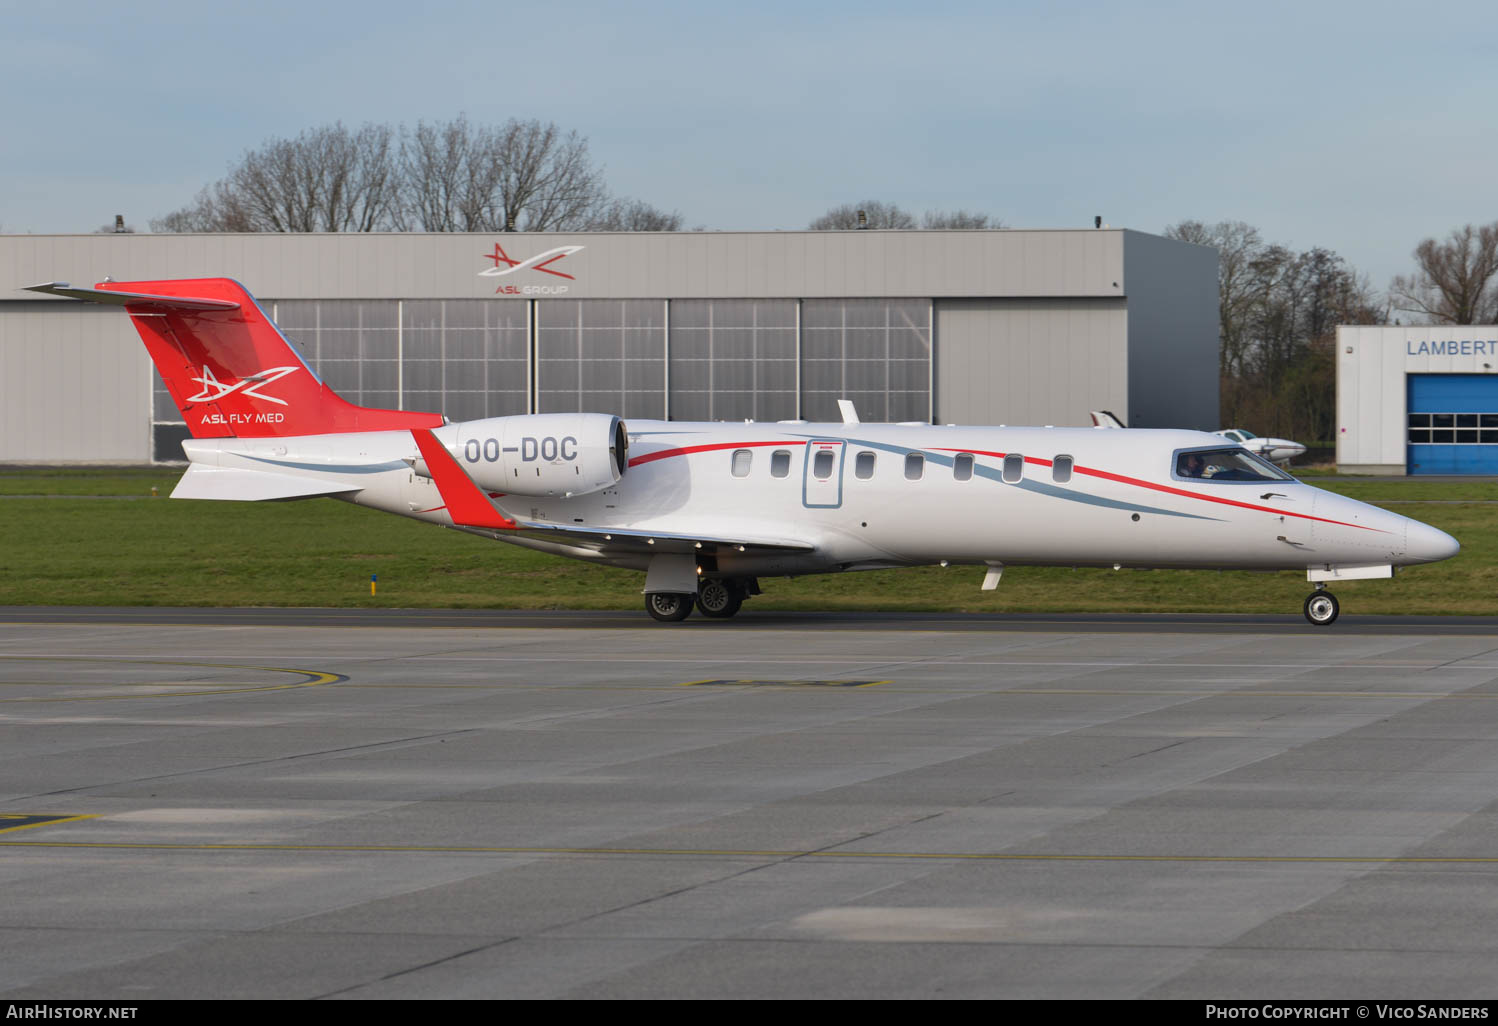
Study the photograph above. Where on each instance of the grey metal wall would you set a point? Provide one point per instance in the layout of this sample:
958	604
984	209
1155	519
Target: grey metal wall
1030	361
1173	334
70	391
678	265
973	327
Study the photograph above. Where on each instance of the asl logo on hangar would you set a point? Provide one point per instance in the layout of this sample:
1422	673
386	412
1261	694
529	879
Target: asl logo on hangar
505	265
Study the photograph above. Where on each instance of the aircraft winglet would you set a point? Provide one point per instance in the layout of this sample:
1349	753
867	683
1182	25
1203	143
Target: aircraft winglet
466	502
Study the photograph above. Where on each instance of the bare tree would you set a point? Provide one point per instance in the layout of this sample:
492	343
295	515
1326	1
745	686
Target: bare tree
626	215
439	177
1453	283
450	176
879	215
547	180
890	215
325	180
958	219
1278	314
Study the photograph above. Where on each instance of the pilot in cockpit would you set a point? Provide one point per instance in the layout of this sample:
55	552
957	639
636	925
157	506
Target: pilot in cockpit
1191	464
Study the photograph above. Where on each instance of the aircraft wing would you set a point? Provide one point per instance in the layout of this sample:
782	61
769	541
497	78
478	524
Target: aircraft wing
472	510
616	541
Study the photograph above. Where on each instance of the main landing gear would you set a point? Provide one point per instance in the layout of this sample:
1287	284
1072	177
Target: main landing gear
1322	607
717	597
667	606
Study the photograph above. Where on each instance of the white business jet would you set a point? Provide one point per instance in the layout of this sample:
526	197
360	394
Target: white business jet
707	509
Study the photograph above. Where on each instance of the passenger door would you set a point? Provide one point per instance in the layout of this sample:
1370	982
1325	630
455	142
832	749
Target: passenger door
822	477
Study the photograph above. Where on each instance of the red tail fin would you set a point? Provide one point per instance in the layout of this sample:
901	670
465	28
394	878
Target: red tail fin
228	368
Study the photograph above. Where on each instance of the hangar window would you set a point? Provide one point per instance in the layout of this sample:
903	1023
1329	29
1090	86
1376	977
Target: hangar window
863	466
962	466
915	466
1453	429
741	460
780	463
1061	469
1014	467
821	464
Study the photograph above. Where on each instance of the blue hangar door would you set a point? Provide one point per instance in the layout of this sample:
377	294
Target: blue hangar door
1453	427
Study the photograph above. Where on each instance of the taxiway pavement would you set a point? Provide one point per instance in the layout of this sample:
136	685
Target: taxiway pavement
292	803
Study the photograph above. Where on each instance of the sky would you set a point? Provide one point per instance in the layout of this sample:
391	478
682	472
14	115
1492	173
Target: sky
1361	127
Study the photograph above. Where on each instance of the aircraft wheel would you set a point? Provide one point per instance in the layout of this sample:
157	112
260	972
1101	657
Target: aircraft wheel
719	599
1322	608
667	606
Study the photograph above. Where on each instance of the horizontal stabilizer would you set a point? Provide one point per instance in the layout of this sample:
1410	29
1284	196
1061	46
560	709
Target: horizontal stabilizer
62	288
236	484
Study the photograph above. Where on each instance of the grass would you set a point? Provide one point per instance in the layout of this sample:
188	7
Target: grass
130	549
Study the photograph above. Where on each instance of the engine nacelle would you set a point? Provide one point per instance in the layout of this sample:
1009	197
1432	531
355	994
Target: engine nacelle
544	453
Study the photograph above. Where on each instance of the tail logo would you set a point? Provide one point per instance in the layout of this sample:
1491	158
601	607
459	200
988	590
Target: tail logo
214	389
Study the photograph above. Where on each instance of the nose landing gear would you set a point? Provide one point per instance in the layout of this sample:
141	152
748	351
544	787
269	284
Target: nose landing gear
1321	607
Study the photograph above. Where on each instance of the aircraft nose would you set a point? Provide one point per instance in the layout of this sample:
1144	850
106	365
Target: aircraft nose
1426	544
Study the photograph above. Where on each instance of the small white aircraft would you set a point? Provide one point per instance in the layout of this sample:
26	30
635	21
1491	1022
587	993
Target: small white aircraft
706	509
1275	450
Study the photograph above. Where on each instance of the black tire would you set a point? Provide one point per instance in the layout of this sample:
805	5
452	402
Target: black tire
1322	608
719	599
668	606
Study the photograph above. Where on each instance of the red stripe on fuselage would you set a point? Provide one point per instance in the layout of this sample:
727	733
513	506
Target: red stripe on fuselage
651	457
1121	479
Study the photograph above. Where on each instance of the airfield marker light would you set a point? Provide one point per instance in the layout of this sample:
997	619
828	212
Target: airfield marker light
372	579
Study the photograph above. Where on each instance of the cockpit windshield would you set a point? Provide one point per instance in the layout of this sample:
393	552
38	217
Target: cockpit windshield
1232	464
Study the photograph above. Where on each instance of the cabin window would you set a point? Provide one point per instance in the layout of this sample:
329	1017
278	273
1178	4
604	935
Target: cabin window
741	460
1014	467
821	464
1061	469
915	466
863	466
962	466
780	463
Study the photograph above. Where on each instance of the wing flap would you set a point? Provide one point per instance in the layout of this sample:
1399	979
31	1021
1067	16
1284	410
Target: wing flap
615	540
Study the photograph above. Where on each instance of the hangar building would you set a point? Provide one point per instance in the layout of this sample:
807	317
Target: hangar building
981	327
1417	400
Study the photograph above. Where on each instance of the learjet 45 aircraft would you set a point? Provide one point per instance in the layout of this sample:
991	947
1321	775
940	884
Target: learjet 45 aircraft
706	509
